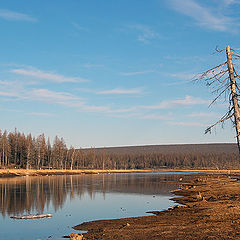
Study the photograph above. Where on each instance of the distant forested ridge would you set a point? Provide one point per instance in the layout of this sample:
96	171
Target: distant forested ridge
25	151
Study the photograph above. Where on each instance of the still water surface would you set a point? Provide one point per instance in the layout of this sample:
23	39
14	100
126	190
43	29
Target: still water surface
76	199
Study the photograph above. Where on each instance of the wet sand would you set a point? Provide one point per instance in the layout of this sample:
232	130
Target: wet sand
209	208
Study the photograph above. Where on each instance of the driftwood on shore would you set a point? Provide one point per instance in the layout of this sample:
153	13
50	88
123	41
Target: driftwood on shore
29	217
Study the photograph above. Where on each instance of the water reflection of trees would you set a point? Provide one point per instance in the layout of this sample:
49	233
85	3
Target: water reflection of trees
35	194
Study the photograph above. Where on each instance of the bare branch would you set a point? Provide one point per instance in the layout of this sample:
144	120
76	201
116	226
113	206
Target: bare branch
210	71
208	130
221	82
218	96
216	77
218	50
226	87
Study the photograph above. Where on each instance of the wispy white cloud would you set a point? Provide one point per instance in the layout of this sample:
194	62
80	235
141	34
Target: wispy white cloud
230	2
187	101
104	109
8	94
124	110
18	92
95	109
147	112
182	75
90	65
15	16
120	91
10	90
202	115
203	16
61	98
126	115
49	76
180	78
14	110
72	101
5	83
136	73
87	90
145	33
41	114
157	117
78	27
115	91
190	124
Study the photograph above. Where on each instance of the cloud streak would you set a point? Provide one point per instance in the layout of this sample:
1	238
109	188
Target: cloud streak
18	91
8	94
182	75
187	101
41	114
15	16
61	98
145	33
230	2
136	73
203	115
78	27
202	16
156	117
69	100
53	77
120	91
188	124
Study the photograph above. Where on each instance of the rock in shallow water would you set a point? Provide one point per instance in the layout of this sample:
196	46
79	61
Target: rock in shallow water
75	236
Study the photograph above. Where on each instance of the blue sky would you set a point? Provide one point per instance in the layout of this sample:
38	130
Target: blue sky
114	73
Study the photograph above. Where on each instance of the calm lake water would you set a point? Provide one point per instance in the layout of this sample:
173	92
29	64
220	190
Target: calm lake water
76	199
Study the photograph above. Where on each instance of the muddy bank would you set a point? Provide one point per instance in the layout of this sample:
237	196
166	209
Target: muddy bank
209	209
44	172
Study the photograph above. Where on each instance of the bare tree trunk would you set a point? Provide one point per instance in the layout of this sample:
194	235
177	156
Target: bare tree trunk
234	95
72	158
39	157
3	155
15	153
28	156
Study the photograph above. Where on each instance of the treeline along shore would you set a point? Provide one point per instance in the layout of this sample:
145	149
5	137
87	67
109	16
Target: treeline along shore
18	150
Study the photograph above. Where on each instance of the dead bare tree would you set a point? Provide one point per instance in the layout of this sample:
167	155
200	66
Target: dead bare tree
223	81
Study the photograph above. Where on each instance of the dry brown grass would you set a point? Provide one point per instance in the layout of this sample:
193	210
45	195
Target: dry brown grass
44	172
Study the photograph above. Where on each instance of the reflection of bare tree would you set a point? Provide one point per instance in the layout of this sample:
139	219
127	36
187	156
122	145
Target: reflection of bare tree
34	194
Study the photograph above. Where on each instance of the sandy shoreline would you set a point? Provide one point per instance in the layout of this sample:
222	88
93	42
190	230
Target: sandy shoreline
44	172
209	209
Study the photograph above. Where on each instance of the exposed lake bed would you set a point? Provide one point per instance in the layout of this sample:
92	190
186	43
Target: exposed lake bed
209	208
